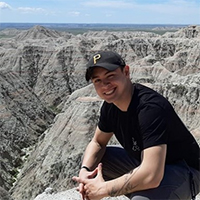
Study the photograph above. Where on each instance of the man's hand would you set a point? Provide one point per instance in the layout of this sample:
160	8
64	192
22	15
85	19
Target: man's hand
91	184
95	189
83	174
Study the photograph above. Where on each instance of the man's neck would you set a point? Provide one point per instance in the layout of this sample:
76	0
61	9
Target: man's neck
126	99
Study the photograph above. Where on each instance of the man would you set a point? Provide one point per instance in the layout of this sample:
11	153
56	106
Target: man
159	158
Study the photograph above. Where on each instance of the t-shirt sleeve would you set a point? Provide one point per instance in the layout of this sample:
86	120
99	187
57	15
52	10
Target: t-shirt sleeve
153	125
104	123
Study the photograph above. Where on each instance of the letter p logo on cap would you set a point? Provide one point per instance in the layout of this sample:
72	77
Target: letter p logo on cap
96	57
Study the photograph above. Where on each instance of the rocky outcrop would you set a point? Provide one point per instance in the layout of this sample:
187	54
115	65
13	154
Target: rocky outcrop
57	157
23	118
4	195
38	32
71	194
190	32
42	75
9	32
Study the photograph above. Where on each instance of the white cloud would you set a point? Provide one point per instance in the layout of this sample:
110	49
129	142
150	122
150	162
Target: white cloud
108	15
4	5
108	4
74	13
31	10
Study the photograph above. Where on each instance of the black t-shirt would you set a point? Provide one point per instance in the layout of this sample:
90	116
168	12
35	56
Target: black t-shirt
149	121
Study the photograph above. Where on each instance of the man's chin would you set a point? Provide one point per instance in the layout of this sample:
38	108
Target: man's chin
108	100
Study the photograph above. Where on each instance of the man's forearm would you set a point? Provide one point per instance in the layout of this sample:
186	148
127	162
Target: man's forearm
122	185
93	155
135	180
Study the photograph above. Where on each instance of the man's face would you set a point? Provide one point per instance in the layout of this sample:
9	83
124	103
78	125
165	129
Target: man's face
110	85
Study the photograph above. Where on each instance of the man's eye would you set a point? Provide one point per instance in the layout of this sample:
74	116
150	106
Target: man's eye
97	81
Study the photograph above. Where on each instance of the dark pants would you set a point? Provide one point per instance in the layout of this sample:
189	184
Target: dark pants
175	184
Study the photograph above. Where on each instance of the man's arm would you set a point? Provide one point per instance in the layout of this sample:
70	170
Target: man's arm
96	149
92	156
148	175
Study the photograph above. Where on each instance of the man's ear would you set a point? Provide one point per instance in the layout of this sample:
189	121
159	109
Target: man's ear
127	70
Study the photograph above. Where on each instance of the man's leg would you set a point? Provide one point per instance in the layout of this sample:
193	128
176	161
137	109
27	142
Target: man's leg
175	184
117	162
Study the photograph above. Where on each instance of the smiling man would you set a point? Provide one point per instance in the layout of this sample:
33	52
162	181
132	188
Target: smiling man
158	157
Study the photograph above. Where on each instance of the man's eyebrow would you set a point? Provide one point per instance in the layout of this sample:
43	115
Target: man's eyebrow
104	74
93	77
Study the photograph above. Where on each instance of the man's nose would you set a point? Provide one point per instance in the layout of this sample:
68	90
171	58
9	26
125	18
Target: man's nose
105	83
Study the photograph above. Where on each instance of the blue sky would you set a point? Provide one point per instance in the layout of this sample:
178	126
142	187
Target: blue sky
101	11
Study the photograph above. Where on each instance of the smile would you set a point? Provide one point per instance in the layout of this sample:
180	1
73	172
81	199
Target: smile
109	92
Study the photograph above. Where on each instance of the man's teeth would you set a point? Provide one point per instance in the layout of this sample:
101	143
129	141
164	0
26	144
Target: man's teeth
109	92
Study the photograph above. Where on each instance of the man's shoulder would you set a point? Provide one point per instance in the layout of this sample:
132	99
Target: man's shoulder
140	87
145	96
144	91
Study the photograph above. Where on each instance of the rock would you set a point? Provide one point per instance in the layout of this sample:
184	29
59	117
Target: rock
48	190
57	157
10	32
23	119
71	194
4	195
192	31
38	32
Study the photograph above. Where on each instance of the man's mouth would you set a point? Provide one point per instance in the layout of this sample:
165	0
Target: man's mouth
109	92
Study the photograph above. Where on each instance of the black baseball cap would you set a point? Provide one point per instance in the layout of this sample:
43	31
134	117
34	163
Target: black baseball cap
107	59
